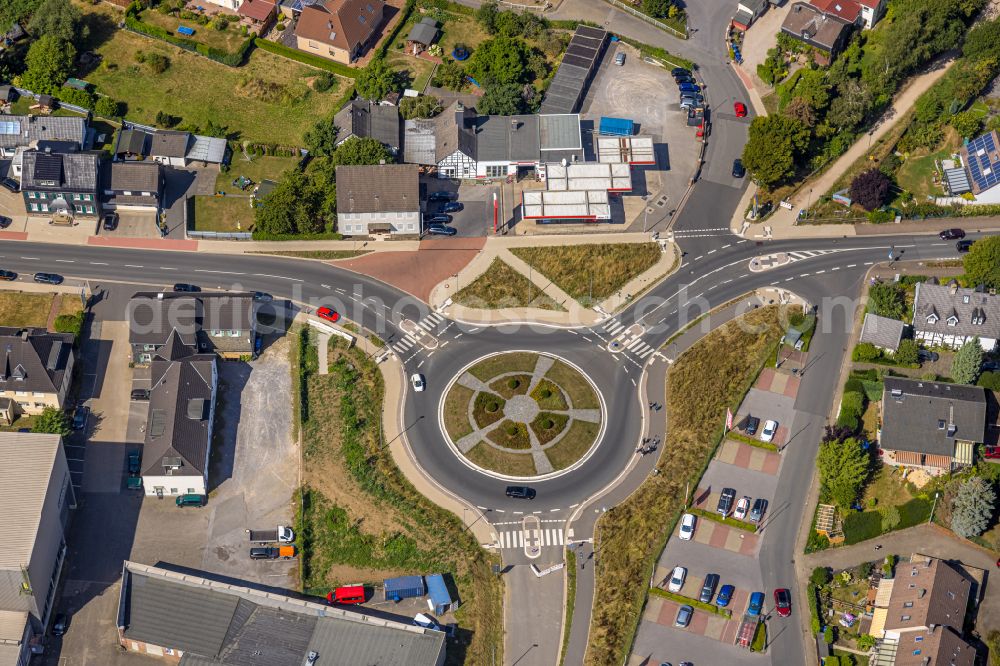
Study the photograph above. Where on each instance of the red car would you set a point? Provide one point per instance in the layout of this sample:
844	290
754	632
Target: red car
327	313
992	453
783	602
741	109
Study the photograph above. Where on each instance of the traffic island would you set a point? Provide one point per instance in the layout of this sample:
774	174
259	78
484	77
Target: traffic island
522	415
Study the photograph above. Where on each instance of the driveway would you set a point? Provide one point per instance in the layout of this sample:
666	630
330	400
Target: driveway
133	224
178	185
476	217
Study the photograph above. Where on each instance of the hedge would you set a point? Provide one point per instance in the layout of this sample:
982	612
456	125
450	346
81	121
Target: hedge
862	525
391	39
230	58
76	97
658	53
306	58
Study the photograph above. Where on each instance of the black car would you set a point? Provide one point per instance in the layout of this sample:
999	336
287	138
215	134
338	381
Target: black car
991	366
451	207
441	230
5	222
439	218
140	394
924	355
48	278
110	221
262	297
738	169
443	196
264	553
752	424
680	71
10	185
684	79
8	275
951	234
964	245
59	624
726	501
708	588
80	417
521	492
183	286
758	510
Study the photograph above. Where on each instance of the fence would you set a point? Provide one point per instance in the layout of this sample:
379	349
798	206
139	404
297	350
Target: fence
648	19
220	235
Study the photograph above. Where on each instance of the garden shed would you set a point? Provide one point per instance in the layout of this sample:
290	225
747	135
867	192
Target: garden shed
439	600
422	35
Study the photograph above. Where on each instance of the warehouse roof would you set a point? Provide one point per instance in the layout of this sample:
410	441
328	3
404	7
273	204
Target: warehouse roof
566	89
27	462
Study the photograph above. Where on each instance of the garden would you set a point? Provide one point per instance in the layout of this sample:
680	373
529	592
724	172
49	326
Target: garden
840	606
522	414
501	286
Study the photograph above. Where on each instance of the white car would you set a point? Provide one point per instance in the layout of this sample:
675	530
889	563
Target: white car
741	508
688	521
677	579
418	382
767	434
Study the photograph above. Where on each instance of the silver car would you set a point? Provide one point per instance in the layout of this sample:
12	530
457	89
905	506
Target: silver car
684	614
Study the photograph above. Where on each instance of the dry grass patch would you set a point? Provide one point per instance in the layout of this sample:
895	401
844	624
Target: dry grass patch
456	412
513	385
22	309
547	425
503	287
514	464
573	445
488	409
710	377
222	214
548	396
510	435
489	368
591	273
577	388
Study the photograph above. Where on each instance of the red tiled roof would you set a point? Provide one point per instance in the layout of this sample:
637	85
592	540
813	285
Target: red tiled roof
341	23
849	10
258	10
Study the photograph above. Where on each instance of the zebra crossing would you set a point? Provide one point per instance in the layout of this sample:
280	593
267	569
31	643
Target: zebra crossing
551	536
799	255
428	323
635	345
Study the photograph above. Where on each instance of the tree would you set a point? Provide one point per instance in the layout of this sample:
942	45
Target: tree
908	352
843	470
500	60
60	19
321	138
53	421
302	203
12	11
376	80
972	508
850	105
656	8
502	99
968	361
866	642
870	188
772	148
487	16
800	110
49	60
887	299
361	150
449	75
424	106
982	263
966	123
983	41
108	107
820	576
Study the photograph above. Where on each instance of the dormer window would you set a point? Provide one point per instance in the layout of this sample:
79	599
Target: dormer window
953	320
941	424
932	318
965	299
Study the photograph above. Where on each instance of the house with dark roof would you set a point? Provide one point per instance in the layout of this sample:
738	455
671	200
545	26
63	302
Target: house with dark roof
339	30
378	199
883	332
132	144
949	316
363	118
932	426
26	131
205	622
63	186
748	11
828	33
169	147
36	368
133	186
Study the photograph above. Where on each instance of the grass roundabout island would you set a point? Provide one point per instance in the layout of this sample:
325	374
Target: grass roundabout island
522	414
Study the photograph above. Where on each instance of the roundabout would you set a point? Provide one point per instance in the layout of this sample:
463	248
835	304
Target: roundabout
522	416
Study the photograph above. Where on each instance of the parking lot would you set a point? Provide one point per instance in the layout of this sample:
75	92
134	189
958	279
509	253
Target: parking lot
133	224
476	216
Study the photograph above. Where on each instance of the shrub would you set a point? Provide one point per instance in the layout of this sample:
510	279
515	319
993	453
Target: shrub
76	97
870	188
820	576
880	216
989	381
108	108
324	82
865	352
907	353
890	517
828	637
70	323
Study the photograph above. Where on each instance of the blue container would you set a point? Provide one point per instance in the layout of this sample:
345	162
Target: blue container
404	587
437	591
616	126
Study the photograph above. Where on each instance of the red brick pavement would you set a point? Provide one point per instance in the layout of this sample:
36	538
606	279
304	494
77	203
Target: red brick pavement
780	436
743	457
668	613
749	544
719	535
772	463
13	235
765	379
792	387
699	623
145	243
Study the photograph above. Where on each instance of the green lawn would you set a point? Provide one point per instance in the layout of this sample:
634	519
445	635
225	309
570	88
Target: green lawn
501	363
227	40
579	391
515	464
548	396
417	70
510	435
268	99
221	214
512	385
916	173
258	169
503	287
573	445
456	412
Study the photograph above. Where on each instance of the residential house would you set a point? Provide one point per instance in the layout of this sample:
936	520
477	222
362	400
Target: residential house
826	32
871	12
62	185
259	13
422	35
981	159
931	425
748	11
19	134
363	118
455	142
196	620
339	29
223	323
883	332
132	144
378	199
949	316
133	186
36	494
919	615
231	5
847	10
169	147
36	368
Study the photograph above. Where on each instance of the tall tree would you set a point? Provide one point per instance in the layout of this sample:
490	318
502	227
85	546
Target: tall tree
503	99
982	263
53	421
300	204
59	18
12	11
424	106
843	470
49	60
972	508
870	188
321	139
376	80
774	144
968	362
361	150
500	60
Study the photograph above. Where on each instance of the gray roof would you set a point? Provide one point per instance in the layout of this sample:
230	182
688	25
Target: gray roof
27	462
135	176
5	93
526	138
424	32
882	332
977	313
154	318
207	149
743	17
560	132
75	172
132	141
169	144
917	415
378	189
958	180
755	6
811	24
23	130
507	138
419	141
571	78
455	131
33	359
216	623
363	118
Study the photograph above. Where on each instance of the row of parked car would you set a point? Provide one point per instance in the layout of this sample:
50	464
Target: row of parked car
437	223
707	595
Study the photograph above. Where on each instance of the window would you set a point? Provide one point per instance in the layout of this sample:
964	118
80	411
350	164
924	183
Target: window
34	207
127	193
496	171
20	393
146	194
173	491
77	197
149	348
234	334
905	618
907	604
87	197
39	405
38	394
45	208
145	358
216	333
918	638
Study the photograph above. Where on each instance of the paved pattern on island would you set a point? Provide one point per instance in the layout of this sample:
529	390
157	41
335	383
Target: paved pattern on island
778	382
743	455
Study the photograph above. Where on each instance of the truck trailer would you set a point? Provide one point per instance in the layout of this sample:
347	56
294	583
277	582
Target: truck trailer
280	535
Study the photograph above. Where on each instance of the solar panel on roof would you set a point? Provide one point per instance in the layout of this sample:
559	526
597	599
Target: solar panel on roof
48	167
10	127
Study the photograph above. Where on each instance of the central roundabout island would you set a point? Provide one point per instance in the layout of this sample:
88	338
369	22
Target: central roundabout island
522	415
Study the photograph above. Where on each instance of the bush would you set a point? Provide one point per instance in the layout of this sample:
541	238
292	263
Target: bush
108	108
870	188
307	58
865	352
907	353
53	421
70	323
862	525
881	216
828	638
989	381
77	97
324	82
820	576
890	517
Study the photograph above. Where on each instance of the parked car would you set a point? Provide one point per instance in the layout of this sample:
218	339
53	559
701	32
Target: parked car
80	417
10	185
186	288
677	579
708	588
951	234
692	101
190	500
439	218
680	71
964	245
5	222
620	58
328	314
443	196
758	510
7	276
689	87
451	207
740	109
684	614
684	78
272	552
725	596
991	366
110	221
923	355
140	394
60	624
742	508
521	492
48	278
134	463
726	501
417	380
992	453
783	602
770	427
262	297
756	604
441	230
738	169
752	423
688	522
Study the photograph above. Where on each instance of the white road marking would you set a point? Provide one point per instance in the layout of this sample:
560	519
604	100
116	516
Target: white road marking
325	286
70	261
698	257
279	277
167	268
202	270
132	266
710	252
30	258
851	265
